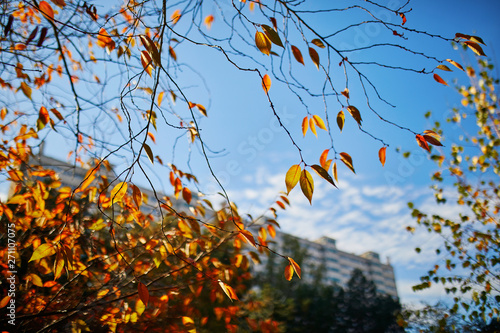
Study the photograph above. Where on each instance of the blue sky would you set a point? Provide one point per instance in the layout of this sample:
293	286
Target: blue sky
369	210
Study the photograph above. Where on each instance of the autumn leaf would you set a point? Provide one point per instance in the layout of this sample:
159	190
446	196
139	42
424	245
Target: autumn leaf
422	143
456	64
475	47
172	53
323	173
31	36
292	177
43	34
59	3
432	140
272	35
208	21
439	79
46	10
289	272
146	62
43	118
42	251
58	266
307	184
202	109
118	191
346	158
175	17
4	301
297	54
444	68
228	290
355	114
26	89
403	17
160	98
345	92
186	194
149	152
323	157
314	57
319	122
334	171
152	49
340	120
271	230
266	83
263	43
305	125
248	237
143	293
381	155
312	125
137	196
318	43
296	267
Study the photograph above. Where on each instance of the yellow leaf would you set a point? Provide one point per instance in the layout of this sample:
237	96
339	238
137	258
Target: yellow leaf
272	35
58	266
475	47
26	89
334	171
44	250
346	158
296	267
118	191
292	177
297	54
318	43
143	293
202	109
305	125
160	98
444	68
314	57
312	125
263	42
381	155
454	63
307	184
355	114
146	62
266	83
271	230
35	279
319	122
340	120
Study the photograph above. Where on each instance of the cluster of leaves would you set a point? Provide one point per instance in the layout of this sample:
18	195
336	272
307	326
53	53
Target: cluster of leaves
472	167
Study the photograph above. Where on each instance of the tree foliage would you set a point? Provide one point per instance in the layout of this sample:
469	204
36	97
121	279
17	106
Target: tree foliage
121	84
470	168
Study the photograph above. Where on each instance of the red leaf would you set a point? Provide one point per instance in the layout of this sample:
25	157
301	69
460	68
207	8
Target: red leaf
422	143
143	293
439	79
381	155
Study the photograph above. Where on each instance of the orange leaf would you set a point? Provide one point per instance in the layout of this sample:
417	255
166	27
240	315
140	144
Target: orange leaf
228	290
271	230
152	137
355	114
152	49
143	293
172	53
176	16
297	54
422	143
454	63
305	125
296	267
340	120
314	57
439	79
345	92
137	195
263	42
266	83
381	155
288	272
89	178
292	177
202	109
160	98
346	158
46	10
282	205
146	62
307	185
248	237
186	194
334	171
313	126
58	266
323	157
4	301
209	20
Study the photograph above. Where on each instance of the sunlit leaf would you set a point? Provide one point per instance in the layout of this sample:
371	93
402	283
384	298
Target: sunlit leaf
228	290
297	54
118	191
4	301
58	266
26	89
208	21
432	140
143	293
271	230
319	122
46	10
35	279
444	68
305	125
43	118
292	177
312	126
272	35
403	17
422	143
323	157
160	98
340	120
137	195
346	158
475	47
149	152
172	53
175	17
44	250
439	79
152	49
381	155
202	109
146	62
334	171
296	267
318	43
288	272
266	83
355	114
323	173
314	56
263	42
186	194
248	237
345	92
307	184
454	63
